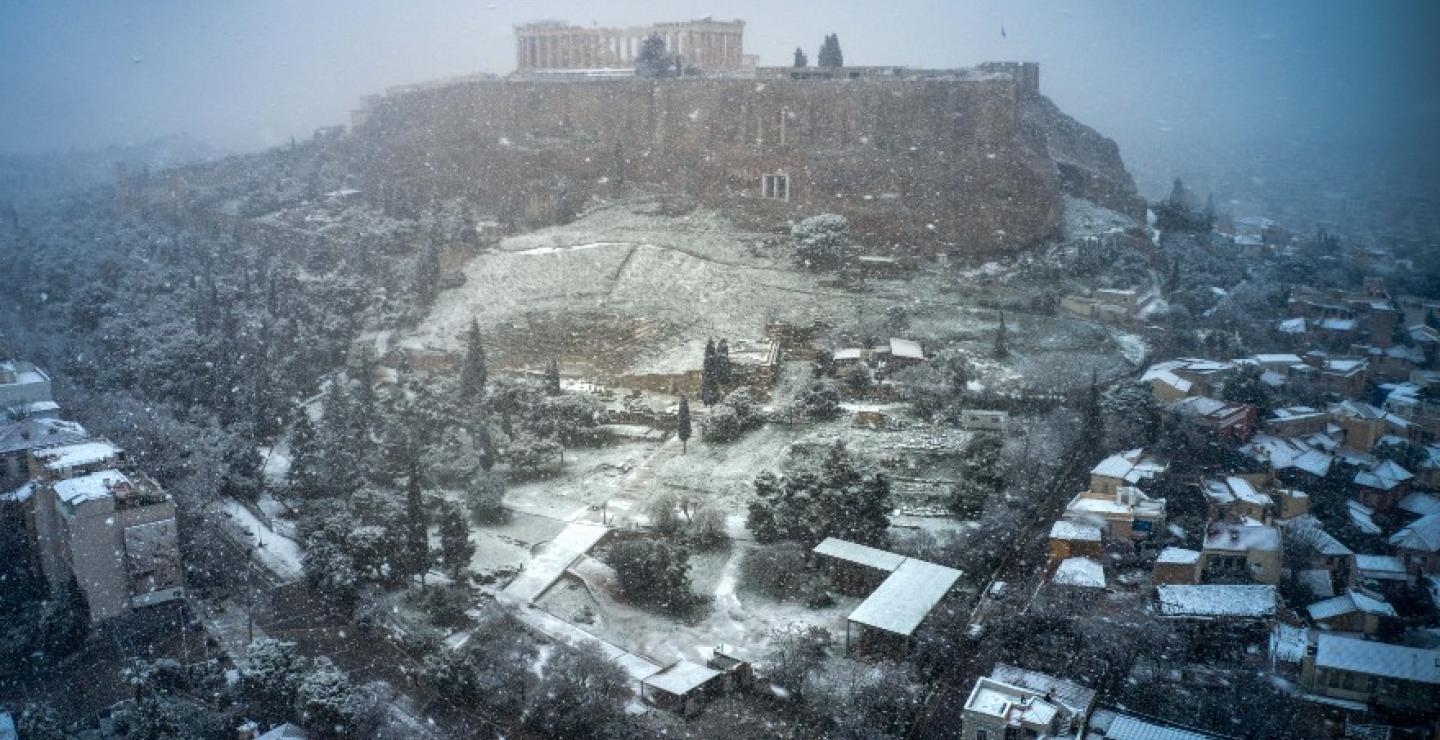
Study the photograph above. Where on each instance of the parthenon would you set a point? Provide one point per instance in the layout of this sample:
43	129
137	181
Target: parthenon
553	45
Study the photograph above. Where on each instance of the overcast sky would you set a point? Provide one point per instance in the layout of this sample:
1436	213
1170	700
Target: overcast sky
1181	85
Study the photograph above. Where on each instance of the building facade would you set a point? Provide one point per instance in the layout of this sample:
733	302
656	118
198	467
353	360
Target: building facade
115	533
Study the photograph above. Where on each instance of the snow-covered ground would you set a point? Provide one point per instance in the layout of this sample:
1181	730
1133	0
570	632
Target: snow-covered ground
279	554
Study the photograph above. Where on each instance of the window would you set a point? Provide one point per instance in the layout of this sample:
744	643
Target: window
982	735
776	186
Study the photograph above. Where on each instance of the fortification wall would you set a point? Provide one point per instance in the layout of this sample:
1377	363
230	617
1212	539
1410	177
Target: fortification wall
916	165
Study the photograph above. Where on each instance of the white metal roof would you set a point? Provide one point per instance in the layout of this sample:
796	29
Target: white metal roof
904	599
1126	727
859	554
906	348
1377	659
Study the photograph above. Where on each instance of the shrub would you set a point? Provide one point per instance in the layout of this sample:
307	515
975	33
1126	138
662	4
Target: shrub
721	424
484	497
781	571
653	573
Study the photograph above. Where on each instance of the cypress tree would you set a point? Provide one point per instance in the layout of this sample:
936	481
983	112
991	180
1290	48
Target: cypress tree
417	534
682	424
830	55
456	548
473	373
1092	425
1001	350
722	364
709	390
800	59
552	378
304	456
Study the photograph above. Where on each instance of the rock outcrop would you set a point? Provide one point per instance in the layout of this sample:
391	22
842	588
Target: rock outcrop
972	165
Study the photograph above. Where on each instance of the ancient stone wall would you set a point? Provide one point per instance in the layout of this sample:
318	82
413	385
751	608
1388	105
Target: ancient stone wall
918	166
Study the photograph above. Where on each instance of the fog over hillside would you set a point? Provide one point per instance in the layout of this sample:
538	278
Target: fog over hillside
1236	97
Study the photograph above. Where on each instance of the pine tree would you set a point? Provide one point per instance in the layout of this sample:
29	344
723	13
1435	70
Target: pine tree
340	462
709	389
830	55
473	373
552	378
800	59
304	456
682	424
1001	349
456	548
417	533
652	61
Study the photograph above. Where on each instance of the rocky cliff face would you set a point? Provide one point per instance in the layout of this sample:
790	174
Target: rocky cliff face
1088	163
918	166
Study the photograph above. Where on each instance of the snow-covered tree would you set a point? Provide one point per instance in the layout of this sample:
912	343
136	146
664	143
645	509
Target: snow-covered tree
417	530
830	54
682	424
582	694
823	241
485	497
473	373
326	701
653	572
456	549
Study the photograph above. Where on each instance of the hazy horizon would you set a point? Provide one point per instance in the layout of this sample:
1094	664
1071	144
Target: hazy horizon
1228	94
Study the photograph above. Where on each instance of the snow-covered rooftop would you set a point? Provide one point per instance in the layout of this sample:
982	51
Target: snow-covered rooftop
682	677
1232	489
1241	538
1082	572
64	457
1178	556
905	598
1073	697
1288	452
1132	466
906	348
96	485
1335	652
1284	359
1350	601
1381	567
1111	725
1307	529
1289	643
32	433
1065	529
1423	534
859	554
1384	476
1216	601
